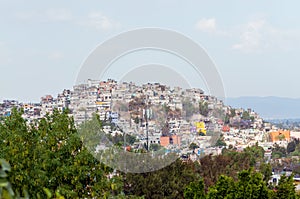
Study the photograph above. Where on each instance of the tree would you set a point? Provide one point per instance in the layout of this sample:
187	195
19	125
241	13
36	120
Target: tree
118	139
136	120
6	190
155	147
266	170
285	188
220	142
256	153
224	188
193	146
229	163
251	185
195	190
227	119
278	151
203	108
213	166
50	158
281	137
245	115
232	112
168	182
291	147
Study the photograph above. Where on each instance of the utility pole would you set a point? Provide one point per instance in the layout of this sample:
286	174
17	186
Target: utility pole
147	129
124	135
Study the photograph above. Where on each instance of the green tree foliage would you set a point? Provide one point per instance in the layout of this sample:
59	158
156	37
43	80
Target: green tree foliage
285	188
251	185
281	137
266	171
193	146
224	188
232	112
256	153
155	147
211	167
245	115
278	151
291	147
220	142
203	108
136	120
195	190
6	190
51	160
229	163
227	119
169	182
118	139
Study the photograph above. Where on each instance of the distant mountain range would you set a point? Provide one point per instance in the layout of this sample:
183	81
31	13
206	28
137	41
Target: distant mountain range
268	107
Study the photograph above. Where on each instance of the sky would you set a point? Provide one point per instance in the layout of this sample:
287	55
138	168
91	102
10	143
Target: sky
254	44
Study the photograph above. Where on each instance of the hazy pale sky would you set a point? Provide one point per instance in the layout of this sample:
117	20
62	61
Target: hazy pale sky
254	44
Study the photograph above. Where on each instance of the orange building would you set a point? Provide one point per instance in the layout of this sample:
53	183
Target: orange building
225	128
166	140
280	135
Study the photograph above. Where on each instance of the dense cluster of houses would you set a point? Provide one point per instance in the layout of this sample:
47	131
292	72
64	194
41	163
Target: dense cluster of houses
155	114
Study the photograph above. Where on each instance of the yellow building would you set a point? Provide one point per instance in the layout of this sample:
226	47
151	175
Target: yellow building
200	127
